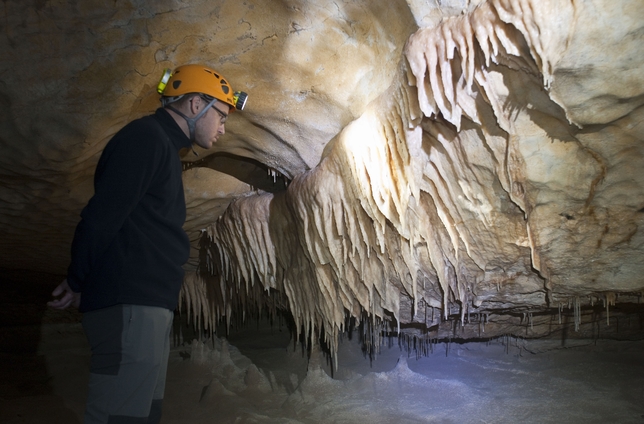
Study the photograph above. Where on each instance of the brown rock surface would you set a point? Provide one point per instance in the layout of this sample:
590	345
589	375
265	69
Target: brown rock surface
486	170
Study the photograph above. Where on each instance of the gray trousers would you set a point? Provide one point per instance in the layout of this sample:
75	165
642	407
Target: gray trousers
130	346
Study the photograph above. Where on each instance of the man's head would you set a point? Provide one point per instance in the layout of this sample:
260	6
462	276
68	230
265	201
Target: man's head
188	79
191	91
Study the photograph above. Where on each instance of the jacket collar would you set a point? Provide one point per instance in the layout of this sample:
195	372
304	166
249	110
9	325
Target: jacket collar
174	131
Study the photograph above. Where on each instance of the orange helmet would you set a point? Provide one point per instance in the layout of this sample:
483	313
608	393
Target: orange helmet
200	79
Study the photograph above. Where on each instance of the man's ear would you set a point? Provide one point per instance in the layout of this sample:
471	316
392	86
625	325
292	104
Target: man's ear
195	104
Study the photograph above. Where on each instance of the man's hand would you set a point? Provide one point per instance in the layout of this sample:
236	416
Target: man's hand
64	297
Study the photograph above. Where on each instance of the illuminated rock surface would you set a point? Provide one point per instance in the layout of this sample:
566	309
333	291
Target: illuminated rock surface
476	177
486	187
437	170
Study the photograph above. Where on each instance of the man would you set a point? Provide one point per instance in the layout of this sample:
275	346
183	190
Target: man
129	247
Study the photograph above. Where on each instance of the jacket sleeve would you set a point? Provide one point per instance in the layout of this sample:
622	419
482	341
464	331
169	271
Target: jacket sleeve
124	172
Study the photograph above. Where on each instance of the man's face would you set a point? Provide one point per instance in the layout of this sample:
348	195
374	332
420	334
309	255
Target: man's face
211	125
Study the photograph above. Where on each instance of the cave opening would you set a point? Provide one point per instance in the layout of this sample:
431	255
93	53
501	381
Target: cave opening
247	170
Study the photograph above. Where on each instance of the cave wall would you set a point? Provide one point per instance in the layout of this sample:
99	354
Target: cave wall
73	73
494	182
453	167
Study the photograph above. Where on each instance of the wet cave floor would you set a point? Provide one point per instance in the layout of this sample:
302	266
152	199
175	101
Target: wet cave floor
256	374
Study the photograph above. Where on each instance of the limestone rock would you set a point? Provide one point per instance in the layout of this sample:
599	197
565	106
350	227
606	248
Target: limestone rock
73	74
452	167
476	184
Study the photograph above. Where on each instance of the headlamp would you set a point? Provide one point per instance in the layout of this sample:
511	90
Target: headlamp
167	73
240	98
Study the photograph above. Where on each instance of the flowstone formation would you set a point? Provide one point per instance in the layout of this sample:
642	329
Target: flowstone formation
495	187
480	177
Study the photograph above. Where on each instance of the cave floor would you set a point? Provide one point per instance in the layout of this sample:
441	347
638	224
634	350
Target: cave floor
258	375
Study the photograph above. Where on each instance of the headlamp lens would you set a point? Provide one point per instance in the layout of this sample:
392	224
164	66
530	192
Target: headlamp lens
240	98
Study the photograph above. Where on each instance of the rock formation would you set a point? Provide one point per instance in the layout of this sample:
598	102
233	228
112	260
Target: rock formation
430	169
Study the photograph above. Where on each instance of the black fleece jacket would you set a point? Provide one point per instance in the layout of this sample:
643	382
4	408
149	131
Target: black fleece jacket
130	246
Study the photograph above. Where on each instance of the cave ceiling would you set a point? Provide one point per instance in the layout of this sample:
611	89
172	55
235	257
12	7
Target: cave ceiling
404	163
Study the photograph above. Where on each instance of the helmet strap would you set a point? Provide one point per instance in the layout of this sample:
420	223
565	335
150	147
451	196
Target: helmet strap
192	122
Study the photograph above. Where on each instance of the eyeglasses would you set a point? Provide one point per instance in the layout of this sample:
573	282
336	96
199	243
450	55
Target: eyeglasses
222	114
209	99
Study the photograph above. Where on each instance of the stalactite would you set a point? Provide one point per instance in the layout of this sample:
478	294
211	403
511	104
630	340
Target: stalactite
609	301
344	237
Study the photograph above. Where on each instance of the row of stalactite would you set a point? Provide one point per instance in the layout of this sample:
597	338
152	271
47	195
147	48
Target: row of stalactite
379	217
